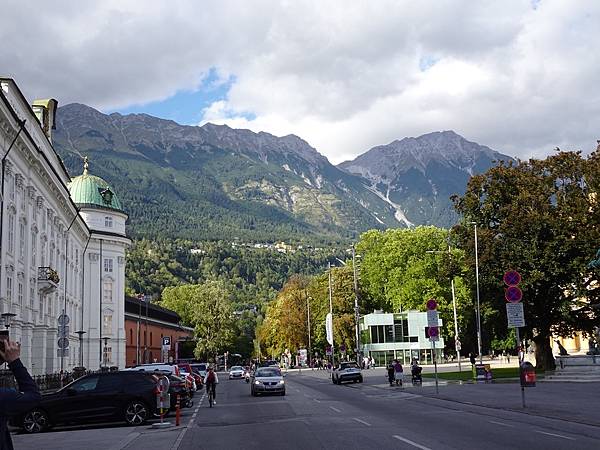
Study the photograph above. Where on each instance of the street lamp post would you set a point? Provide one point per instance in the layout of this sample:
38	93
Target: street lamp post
456	338
80	333
478	313
356	311
105	357
308	298
331	312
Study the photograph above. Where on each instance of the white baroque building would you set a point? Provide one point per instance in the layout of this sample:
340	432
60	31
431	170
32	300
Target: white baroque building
59	255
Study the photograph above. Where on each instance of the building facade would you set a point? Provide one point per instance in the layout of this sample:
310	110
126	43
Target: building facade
62	262
402	336
145	326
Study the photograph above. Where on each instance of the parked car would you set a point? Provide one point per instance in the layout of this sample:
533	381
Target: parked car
198	379
162	367
200	368
236	372
267	380
100	397
346	371
179	386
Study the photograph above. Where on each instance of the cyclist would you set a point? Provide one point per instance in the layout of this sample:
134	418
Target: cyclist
210	381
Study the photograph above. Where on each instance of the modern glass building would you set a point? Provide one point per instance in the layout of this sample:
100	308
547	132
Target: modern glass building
389	336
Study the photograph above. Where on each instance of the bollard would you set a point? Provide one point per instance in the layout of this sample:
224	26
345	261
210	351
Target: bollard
177	412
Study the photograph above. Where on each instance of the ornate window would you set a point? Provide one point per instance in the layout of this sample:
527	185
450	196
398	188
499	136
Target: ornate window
107	322
108	264
20	294
9	288
107	291
31	293
21	240
33	248
11	231
108	222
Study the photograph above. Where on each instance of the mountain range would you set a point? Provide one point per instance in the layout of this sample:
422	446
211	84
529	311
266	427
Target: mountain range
215	182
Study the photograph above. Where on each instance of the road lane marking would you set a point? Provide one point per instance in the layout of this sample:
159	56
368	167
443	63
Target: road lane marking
501	423
177	443
362	421
317	400
555	435
408	441
335	409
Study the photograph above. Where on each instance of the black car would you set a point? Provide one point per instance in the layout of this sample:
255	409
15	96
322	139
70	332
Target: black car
99	397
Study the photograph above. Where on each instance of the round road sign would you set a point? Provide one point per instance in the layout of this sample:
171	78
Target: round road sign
512	278
433	332
513	294
431	304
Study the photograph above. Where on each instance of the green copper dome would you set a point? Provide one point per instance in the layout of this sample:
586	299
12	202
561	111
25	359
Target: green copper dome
91	191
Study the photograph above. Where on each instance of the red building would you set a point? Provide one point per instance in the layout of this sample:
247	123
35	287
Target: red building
145	326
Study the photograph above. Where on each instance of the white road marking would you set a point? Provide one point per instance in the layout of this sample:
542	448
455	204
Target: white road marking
501	423
189	425
362	421
316	400
335	409
408	441
555	435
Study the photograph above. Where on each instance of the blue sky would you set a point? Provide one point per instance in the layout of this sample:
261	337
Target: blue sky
185	107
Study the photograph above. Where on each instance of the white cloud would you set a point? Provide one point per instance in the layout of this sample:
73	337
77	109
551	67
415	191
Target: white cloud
519	76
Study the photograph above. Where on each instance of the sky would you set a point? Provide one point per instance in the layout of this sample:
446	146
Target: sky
522	77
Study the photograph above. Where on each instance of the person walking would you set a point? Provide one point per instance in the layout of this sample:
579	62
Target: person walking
13	402
398	372
472	358
391	373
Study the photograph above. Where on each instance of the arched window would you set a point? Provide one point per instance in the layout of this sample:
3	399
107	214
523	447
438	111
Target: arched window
131	336
151	339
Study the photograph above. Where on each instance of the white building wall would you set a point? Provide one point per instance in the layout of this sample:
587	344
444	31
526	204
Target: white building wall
36	225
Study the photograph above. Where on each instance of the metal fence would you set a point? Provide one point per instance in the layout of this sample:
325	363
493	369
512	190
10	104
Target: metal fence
47	382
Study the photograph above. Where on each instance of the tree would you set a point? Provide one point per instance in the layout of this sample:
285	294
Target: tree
540	218
397	270
206	307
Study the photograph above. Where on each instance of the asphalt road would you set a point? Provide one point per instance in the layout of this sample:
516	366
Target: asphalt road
317	414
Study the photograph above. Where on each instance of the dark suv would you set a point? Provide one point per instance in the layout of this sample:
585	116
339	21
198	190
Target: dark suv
99	397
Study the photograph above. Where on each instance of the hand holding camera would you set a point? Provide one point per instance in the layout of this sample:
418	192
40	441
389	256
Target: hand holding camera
10	351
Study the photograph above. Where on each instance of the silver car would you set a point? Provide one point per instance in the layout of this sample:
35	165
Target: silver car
267	380
236	372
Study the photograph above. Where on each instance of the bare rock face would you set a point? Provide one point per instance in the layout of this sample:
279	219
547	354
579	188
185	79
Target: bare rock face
419	175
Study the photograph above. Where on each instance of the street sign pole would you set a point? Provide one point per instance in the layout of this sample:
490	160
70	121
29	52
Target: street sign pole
437	391
519	359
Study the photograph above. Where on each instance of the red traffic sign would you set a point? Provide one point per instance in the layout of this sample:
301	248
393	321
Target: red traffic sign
513	294
512	278
434	332
431	304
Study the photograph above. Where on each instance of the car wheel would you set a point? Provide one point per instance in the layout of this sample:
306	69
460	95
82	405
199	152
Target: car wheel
360	380
36	421
136	413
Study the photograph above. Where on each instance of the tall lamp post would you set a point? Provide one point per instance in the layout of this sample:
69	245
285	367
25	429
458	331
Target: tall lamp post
356	310
478	313
456	338
308	299
80	333
331	312
105	356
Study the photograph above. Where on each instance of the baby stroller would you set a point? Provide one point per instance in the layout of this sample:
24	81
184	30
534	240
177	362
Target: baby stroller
415	371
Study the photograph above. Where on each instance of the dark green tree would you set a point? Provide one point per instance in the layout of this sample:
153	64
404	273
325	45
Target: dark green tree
541	218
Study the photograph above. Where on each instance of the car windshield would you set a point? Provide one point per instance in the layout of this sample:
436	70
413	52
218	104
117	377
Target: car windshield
237	368
268	372
349	365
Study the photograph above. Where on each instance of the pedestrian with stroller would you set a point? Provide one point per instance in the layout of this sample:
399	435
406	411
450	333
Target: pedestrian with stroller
398	372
